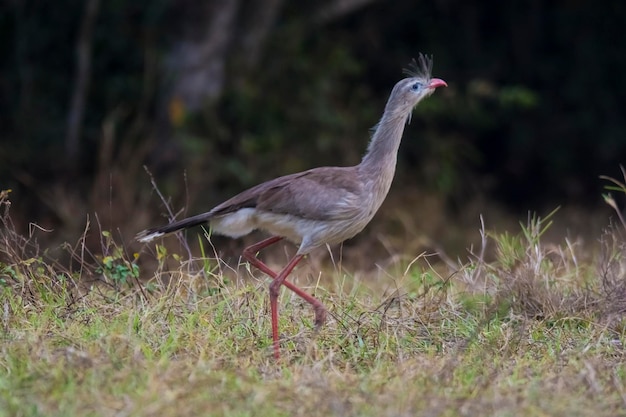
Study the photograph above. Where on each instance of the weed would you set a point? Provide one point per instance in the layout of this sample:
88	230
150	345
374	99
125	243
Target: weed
114	267
612	265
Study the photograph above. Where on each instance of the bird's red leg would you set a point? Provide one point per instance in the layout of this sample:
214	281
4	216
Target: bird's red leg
274	289
250	254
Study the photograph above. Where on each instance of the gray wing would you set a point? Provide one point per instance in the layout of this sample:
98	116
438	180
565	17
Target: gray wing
318	194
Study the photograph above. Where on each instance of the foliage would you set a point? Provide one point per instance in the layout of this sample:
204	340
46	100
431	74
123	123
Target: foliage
524	333
525	120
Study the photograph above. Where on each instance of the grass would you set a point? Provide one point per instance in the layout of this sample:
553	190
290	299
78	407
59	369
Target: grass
537	330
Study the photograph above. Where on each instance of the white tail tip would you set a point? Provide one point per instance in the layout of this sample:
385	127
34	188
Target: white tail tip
145	238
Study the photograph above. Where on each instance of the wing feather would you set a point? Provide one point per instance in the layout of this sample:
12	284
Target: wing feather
317	194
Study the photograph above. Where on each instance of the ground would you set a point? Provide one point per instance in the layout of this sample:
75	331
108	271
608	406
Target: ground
536	330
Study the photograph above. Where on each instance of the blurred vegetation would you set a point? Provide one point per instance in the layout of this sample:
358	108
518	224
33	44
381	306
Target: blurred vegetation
532	116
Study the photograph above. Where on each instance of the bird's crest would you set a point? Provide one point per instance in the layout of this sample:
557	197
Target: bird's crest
421	68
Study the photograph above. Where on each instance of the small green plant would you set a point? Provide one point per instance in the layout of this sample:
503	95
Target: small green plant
7	273
210	268
118	270
617	186
115	267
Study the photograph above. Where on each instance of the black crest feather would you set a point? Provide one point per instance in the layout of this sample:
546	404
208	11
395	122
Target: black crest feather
421	68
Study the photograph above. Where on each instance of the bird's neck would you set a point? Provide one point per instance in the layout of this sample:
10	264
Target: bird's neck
379	163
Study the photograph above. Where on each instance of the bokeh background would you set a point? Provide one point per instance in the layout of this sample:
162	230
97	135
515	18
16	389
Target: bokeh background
216	96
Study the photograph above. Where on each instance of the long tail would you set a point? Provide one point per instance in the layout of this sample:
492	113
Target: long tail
149	234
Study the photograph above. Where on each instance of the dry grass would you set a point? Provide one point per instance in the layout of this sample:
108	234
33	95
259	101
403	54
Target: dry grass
537	331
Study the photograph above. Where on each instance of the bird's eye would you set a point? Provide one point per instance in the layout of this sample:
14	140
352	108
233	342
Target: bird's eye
416	86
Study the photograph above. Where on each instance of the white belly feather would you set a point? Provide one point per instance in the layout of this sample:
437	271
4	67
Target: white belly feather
307	233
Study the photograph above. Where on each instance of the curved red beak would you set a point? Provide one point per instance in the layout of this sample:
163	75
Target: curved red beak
436	82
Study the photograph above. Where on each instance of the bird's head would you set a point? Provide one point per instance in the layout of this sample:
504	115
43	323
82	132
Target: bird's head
410	91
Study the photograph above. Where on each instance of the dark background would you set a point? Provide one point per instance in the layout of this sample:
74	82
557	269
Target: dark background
216	96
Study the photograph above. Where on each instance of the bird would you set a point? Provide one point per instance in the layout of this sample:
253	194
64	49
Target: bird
321	206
